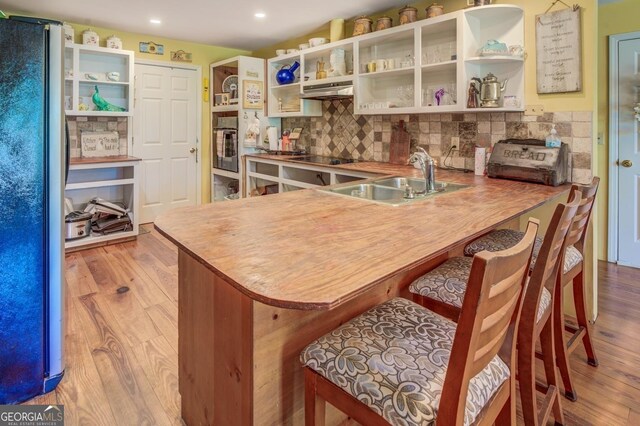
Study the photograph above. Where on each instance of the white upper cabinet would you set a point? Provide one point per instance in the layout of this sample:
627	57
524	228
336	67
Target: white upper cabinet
423	67
111	70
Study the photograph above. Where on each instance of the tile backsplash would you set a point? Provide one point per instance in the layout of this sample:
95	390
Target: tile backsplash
78	124
338	132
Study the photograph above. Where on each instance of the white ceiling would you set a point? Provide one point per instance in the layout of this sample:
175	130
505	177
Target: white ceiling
227	23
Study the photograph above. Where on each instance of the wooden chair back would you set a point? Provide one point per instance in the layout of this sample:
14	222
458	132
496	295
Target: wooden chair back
578	231
488	320
545	272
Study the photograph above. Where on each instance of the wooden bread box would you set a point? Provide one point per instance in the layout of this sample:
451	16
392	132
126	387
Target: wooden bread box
531	161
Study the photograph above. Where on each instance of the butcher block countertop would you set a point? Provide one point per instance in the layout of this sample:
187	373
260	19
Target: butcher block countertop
314	250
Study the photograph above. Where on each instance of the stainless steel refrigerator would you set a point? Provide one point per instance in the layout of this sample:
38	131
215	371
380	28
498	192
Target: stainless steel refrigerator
32	174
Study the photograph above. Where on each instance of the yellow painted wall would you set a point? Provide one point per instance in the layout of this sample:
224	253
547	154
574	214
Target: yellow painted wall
203	55
613	18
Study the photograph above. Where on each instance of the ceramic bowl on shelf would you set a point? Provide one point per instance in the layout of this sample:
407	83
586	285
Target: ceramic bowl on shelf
113	76
292	51
281	52
317	41
303	46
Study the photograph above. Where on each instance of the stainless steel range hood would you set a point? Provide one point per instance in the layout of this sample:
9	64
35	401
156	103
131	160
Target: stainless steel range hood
340	90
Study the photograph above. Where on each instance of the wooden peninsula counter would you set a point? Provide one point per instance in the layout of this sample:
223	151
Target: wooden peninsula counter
260	278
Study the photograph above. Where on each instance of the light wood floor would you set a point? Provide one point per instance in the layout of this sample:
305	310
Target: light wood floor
121	348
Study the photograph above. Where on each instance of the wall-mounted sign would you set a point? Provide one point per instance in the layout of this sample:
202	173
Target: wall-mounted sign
181	56
151	47
253	74
99	144
559	51
205	89
252	94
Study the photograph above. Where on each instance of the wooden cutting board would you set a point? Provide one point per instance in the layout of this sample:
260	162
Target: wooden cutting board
400	144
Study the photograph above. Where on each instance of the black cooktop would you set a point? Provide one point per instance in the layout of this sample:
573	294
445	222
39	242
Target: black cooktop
319	159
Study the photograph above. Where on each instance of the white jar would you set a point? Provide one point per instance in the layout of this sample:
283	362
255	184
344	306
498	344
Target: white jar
114	42
69	33
90	38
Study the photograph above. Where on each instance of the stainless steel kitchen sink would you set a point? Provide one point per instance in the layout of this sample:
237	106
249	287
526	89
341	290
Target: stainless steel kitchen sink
395	190
373	192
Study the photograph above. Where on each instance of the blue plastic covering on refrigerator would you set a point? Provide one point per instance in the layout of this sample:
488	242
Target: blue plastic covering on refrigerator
22	209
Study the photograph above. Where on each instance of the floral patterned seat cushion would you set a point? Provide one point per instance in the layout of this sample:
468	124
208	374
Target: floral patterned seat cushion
393	358
448	282
502	239
572	257
545	301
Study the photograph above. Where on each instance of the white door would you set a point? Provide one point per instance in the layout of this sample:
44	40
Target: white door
628	168
165	138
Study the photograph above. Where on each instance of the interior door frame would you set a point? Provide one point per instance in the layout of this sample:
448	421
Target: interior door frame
612	238
198	70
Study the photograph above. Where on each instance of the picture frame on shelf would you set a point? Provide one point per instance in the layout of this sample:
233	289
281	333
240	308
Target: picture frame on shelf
252	94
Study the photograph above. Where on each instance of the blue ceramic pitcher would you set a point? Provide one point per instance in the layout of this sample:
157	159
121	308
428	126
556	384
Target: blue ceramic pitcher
286	75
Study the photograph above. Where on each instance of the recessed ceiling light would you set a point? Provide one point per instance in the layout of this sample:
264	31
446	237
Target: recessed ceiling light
260	15
155	21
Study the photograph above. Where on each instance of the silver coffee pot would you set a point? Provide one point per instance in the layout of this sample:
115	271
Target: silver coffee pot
490	91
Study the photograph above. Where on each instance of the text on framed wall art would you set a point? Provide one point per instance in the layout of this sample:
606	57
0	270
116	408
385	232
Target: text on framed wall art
559	51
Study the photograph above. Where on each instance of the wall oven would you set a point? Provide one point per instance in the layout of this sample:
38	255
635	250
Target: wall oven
225	148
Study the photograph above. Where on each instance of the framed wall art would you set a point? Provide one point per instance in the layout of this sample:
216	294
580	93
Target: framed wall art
559	51
252	94
151	47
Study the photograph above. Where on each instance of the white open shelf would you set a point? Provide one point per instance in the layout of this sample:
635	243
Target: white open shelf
458	35
439	66
389	73
328	80
82	60
97	239
114	181
292	176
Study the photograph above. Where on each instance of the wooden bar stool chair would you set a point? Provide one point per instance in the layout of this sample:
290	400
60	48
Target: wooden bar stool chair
536	322
390	364
572	273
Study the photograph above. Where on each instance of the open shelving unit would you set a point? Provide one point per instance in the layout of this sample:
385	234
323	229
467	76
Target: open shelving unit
245	68
81	60
429	56
113	180
285	176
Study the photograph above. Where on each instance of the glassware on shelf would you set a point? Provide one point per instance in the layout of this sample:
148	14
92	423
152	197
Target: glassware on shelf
427	96
407	61
433	54
451	51
439	95
441	52
405	95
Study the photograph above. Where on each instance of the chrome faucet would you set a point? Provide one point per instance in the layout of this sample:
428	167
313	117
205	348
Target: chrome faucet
427	165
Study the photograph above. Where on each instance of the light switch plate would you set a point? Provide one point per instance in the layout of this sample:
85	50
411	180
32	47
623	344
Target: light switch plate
534	110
